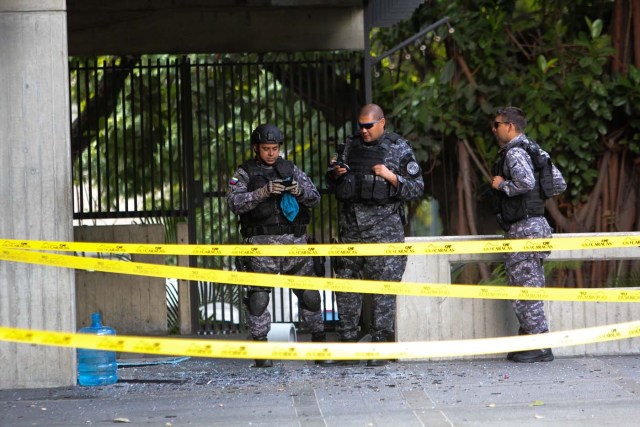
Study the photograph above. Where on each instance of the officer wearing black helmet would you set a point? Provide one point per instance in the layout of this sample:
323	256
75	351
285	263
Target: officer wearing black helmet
272	196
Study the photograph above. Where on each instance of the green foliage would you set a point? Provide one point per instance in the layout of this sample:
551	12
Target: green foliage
629	280
498	275
550	58
135	154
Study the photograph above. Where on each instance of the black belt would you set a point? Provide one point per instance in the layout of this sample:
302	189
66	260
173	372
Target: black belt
275	229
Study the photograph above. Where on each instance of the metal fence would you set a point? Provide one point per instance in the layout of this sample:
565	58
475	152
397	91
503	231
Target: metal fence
156	139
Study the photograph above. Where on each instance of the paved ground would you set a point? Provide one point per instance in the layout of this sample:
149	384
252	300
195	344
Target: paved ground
213	392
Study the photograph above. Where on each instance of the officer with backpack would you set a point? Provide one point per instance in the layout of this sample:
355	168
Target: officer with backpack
523	178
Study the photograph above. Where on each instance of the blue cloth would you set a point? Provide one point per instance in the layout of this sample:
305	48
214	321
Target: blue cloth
289	206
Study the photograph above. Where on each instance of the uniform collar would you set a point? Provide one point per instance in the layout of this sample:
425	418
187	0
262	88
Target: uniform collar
513	142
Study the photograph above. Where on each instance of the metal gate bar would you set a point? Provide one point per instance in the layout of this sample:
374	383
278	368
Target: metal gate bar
174	130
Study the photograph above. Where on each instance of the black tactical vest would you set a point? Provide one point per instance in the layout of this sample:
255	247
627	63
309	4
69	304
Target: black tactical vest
267	217
516	208
360	185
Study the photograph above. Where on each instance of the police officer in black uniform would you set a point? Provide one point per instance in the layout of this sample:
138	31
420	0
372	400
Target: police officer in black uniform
520	189
273	197
373	175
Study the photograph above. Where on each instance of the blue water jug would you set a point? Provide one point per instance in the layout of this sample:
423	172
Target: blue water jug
97	367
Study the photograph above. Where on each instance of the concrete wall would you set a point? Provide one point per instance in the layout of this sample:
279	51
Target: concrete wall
205	26
440	319
132	305
35	172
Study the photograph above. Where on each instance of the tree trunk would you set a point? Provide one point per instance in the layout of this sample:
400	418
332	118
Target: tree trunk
467	214
635	10
617	31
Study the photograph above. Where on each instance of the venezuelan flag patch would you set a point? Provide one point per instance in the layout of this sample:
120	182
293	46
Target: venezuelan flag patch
233	181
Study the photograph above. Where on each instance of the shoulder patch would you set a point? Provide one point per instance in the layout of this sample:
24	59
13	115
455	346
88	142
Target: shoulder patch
410	166
413	169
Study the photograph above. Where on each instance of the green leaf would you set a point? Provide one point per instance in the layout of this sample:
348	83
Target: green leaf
542	107
602	129
585	62
618	101
599	88
545	130
596	28
542	63
447	71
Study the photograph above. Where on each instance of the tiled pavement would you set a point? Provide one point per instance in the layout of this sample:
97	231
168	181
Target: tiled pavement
214	392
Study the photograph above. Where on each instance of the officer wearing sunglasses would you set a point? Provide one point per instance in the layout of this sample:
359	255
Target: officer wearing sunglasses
520	207
373	174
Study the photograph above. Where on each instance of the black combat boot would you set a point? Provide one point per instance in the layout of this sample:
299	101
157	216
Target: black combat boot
322	337
531	356
513	353
263	363
377	362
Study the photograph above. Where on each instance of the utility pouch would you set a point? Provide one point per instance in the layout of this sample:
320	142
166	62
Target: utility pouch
380	190
366	191
346	188
264	210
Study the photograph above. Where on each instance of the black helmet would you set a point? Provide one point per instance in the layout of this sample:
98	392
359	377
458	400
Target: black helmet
266	133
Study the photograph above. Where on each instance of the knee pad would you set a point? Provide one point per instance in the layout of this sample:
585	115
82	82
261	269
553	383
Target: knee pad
311	300
257	302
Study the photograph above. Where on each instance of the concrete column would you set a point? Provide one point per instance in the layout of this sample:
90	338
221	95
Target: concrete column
35	194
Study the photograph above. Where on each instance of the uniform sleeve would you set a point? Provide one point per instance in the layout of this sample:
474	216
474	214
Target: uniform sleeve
241	200
330	176
521	171
559	185
310	194
410	181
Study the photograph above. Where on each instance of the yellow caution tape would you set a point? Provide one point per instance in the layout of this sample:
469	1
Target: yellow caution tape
360	249
317	351
321	283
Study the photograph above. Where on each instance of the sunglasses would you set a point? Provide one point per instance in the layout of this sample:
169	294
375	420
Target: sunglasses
496	124
368	125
